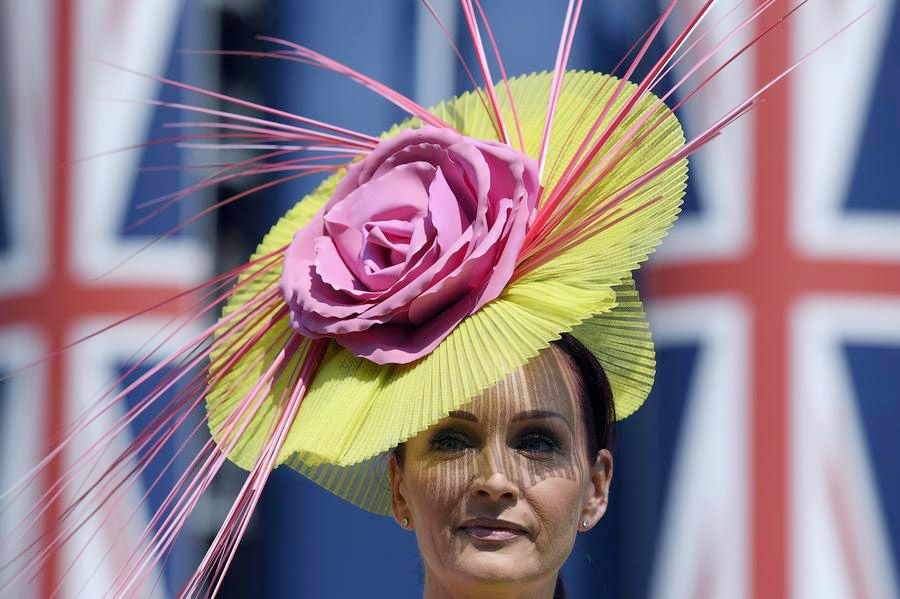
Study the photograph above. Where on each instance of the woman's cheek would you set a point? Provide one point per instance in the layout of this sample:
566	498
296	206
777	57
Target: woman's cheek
438	493
556	504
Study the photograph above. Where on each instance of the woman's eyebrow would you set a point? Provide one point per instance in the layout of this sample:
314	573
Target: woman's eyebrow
463	415
531	414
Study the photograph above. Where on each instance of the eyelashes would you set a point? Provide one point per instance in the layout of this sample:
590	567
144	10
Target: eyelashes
536	441
530	441
450	441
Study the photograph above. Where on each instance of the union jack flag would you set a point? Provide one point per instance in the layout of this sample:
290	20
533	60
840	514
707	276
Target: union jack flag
771	436
781	285
66	225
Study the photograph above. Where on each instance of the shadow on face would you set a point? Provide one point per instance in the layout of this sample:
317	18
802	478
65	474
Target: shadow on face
497	491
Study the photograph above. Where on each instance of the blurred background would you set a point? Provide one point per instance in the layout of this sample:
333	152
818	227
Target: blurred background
764	465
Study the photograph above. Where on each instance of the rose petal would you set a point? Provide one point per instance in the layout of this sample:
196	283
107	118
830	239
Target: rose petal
446	214
478	177
390	235
469	275
393	344
415	282
442	160
401	194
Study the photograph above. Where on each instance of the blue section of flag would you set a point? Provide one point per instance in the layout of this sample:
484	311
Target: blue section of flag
152	184
876	380
305	524
179	564
873	186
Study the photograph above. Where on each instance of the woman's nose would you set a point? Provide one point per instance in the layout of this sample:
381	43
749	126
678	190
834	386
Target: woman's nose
492	481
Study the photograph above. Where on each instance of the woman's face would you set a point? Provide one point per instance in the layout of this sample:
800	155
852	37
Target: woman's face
497	491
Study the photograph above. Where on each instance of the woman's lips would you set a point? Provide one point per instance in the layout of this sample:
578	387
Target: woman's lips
492	534
492	530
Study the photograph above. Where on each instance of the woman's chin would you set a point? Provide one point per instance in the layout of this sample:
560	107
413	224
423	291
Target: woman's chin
497	563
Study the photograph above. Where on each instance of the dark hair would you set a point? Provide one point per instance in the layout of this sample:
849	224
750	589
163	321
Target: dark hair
598	409
597	405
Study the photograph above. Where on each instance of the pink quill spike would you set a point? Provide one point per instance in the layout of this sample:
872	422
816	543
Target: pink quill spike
699	39
703	138
229	200
545	211
244	103
216	177
580	163
462	62
629	136
602	88
512	103
364	142
103	443
252	489
559	71
292	166
98	409
563	199
229	432
314	58
614	156
472	23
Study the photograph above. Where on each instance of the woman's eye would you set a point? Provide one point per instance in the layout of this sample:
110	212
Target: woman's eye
450	442
537	443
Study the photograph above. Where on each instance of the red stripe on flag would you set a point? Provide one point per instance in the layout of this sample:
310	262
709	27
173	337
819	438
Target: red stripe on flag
769	386
59	228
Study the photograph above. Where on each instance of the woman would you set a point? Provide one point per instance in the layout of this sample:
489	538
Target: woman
496	492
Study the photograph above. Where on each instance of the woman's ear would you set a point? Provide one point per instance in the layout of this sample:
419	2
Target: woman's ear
597	490
399	506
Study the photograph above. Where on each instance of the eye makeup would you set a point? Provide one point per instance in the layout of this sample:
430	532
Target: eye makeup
533	431
450	440
537	440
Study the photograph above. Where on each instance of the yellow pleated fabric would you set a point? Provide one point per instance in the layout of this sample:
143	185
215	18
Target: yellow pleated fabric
355	410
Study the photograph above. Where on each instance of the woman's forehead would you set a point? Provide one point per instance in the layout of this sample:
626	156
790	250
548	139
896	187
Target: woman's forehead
546	383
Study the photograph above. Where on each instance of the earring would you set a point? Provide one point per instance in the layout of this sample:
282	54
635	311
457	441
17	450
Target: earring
405	521
585	523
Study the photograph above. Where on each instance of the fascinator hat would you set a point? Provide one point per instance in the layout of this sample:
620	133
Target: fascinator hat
436	259
440	262
433	267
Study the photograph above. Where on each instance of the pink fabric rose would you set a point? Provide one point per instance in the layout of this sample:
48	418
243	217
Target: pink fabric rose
419	234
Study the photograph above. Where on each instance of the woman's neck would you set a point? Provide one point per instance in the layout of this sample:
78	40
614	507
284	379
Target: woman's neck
438	589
